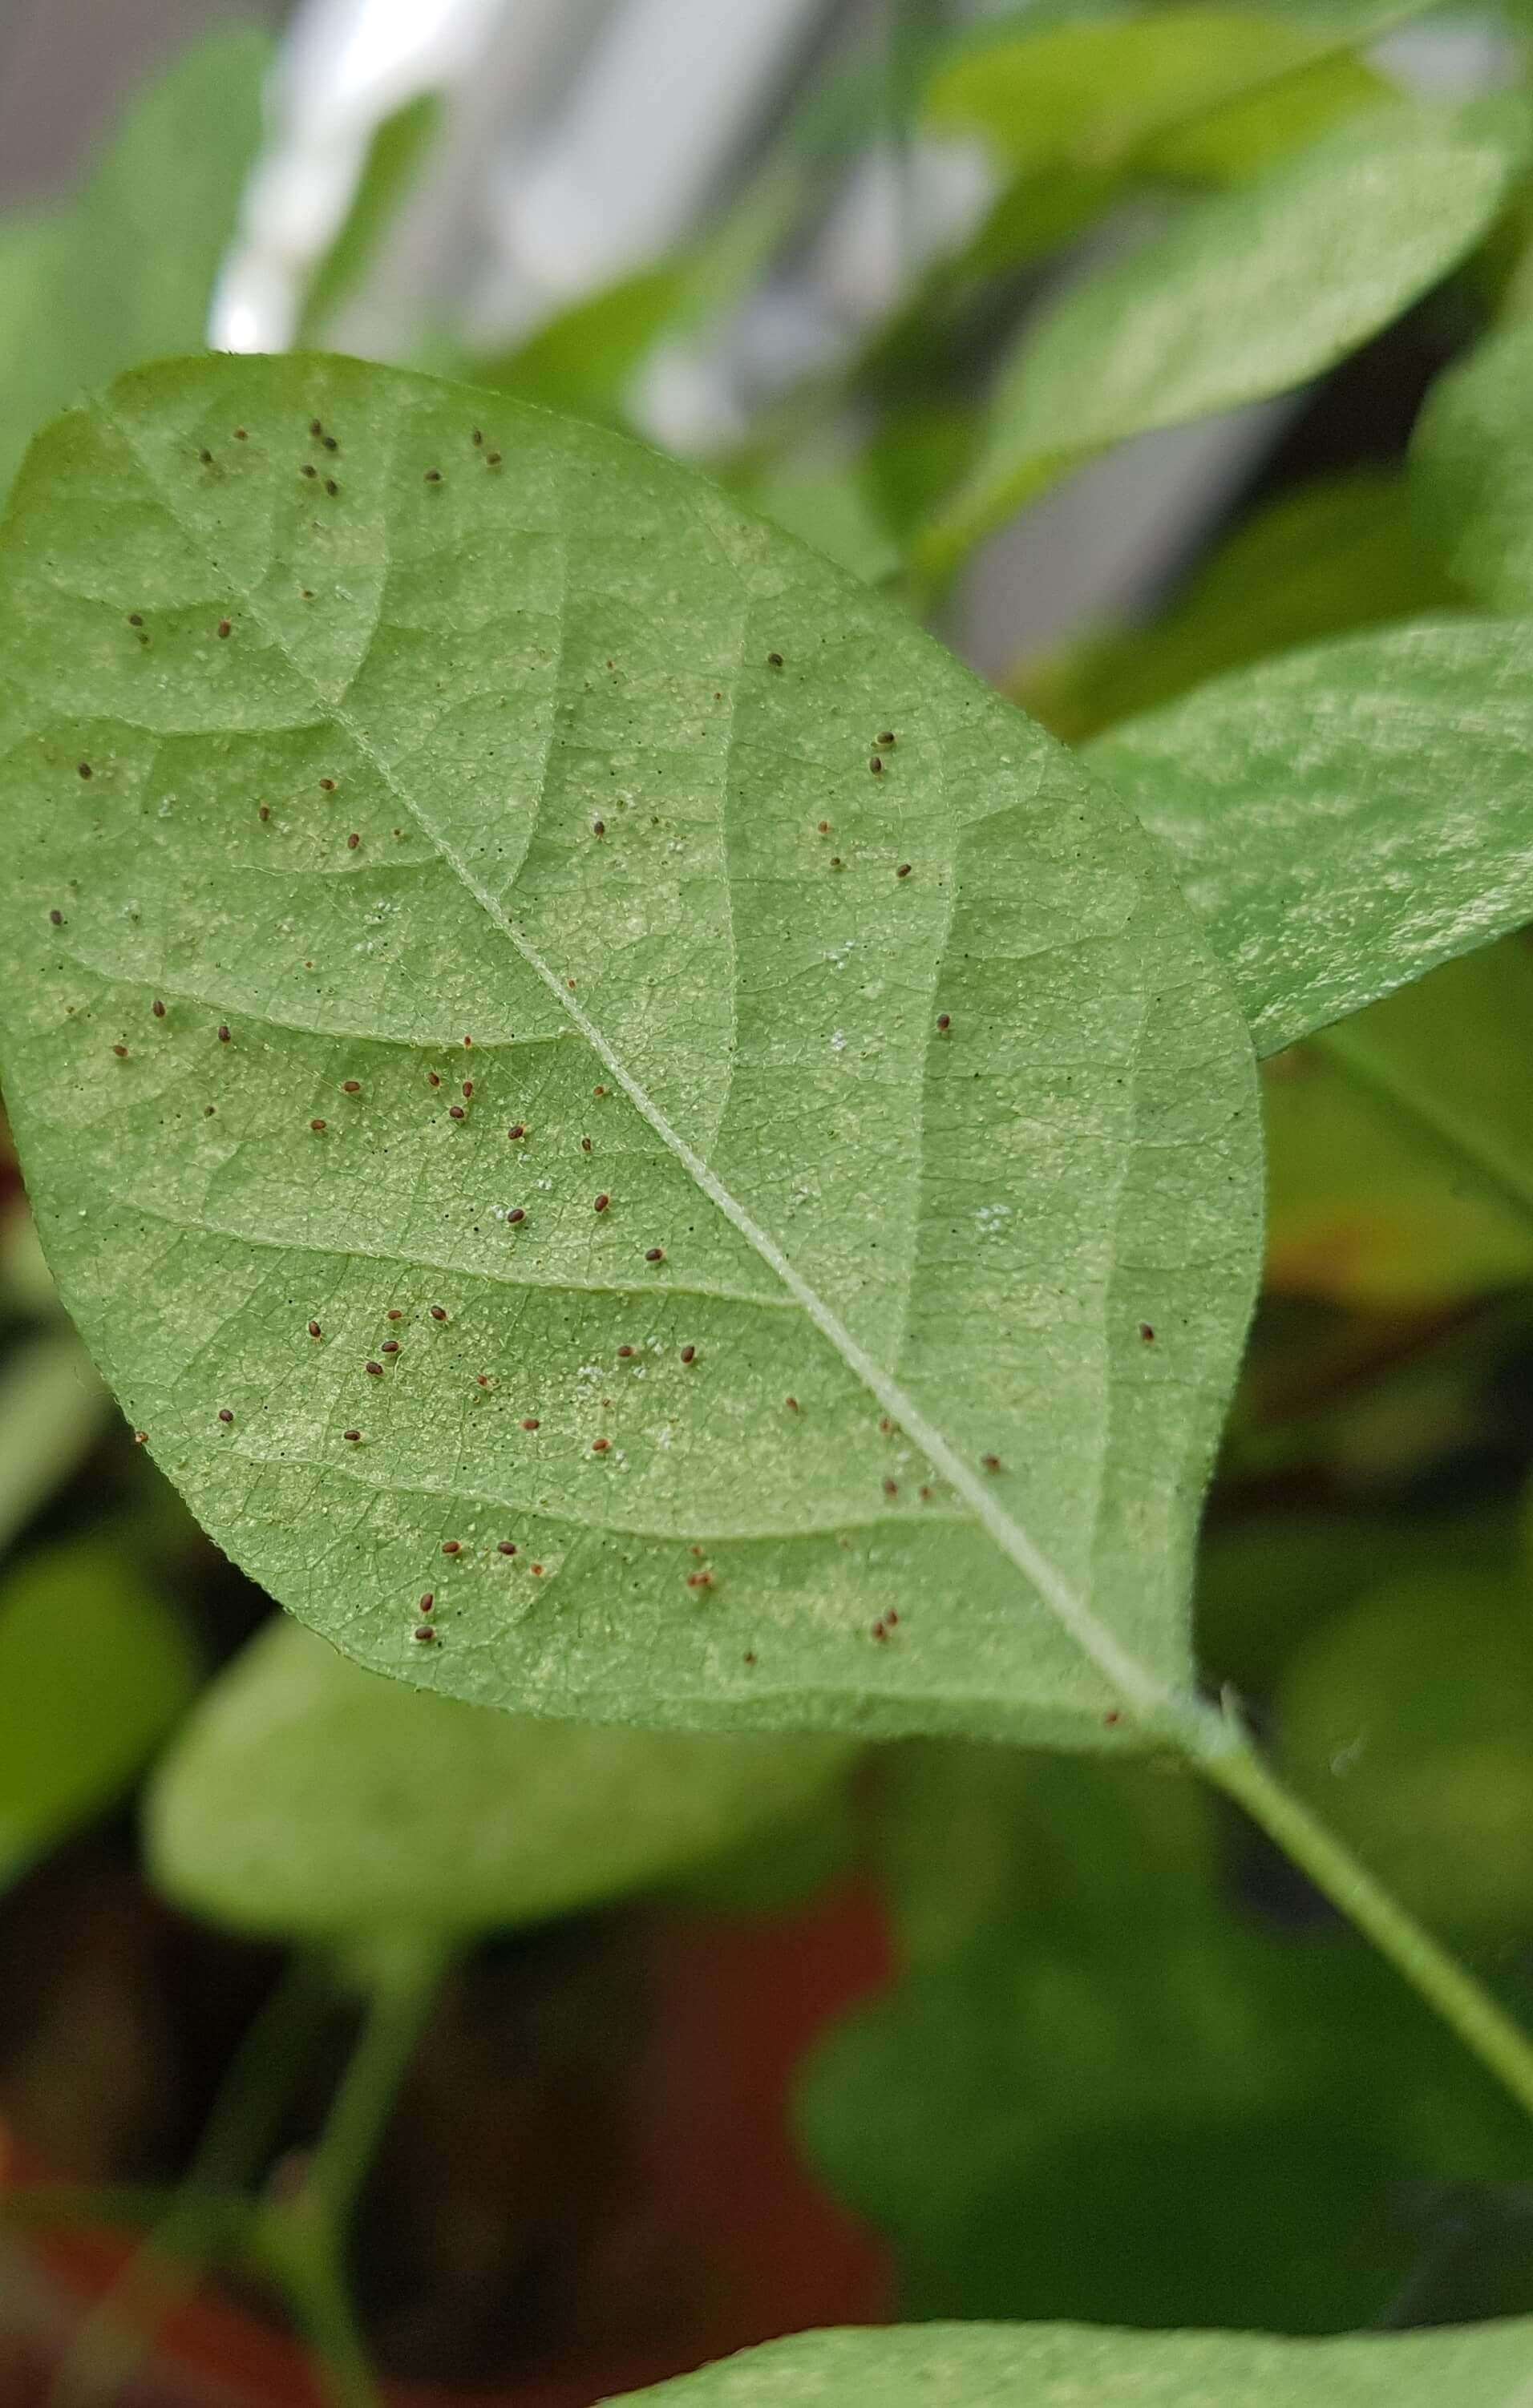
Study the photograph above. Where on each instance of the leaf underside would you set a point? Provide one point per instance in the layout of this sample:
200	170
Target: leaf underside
1084	2366
896	1250
1344	818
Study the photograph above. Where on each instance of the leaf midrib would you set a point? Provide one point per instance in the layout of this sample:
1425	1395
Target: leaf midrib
1152	1699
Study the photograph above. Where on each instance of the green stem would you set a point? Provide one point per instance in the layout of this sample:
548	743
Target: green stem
1462	2003
204	2218
404	1988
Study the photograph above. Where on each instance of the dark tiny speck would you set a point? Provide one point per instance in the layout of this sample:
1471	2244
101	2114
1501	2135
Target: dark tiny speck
316	426
585	1145
120	1052
375	1369
518	1215
991	1462
314	1329
468	1087
318	1127
263	810
225	628
750	1656
309	470
327	786
891	1488
223	1037
688	1353
57	918
598	827
885	738
904	869
791	1403
224	1415
207	459
352	841
944	1021
518	1128
423	1635
353	1437
158	1008
627	1353
432	1079
136	618
506	1547
1147	1333
876	765
456	1112
331	442
241	435
85	770
434	477
532	1424
654	1253
331	486
602	1203
350	1087
452	1547
601	1446
491	459
774	660
437	1312
389	1346
824	827
479	435
428	1604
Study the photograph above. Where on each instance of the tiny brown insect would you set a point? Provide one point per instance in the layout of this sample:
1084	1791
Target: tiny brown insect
434	477
627	1353
749	1657
879	1632
353	1437
792	1404
309	470
120	1052
991	1462
136	618
456	1112
481	1378
57	918
86	771
468	1040
654	1253
316	426
532	1422
330	486
314	1329
327	786
891	1488
478	435
438	1312
699	1580
394	1314
537	1570
824	827
319	1127
241	435
904	869
389	1346
506	1547
223	1037
224	1415
352	841
518	1128
601	1445
263	810
423	1635
140	1438
428	1604
375	1370
491	459
468	1087
944	1021
158	1008
331	442
451	1547
350	1087
585	1145
688	1353
598	1091
207	459
836	861
886	738
1112	1718
598	827
602	1202
876	765
519	1214
1147	1333
225	628
774	660
891	1617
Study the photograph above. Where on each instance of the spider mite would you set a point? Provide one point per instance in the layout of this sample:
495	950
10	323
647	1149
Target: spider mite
428	1604
352	841
224	1415
389	1346
904	869
774	660
518	1129
627	1353
505	1547
374	1370
1147	1333
532	1424
601	1204
57	918
519	1215
654	1253
585	1145
423	1635
225	628
468	1088
353	1437
327	786
876	765
314	1329
223	1037
991	1462
885	740
700	1580
451	1547
944	1021
792	1404
350	1087
319	1127
140	1438
601	1446
456	1112
432	1079
891	1488
688	1353
438	1312
394	1314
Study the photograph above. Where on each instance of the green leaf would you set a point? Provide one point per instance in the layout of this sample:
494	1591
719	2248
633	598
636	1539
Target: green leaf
1028	1237
127	271
307	1799
1318	561
94	1668
52	1410
394	157
1409	1723
1245	294
1473	470
1098	2092
581	360
1342	819
1097	93
1401	1144
1060	2366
